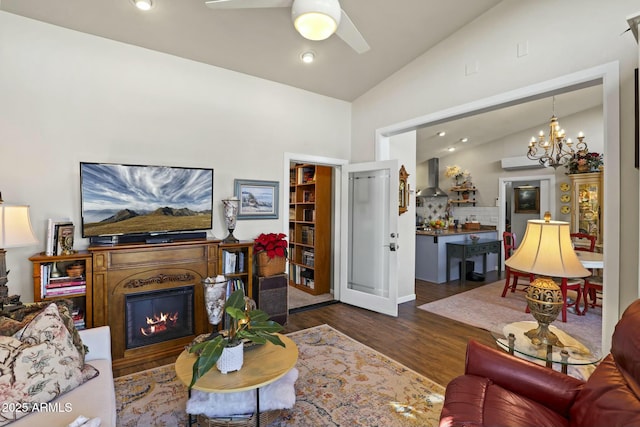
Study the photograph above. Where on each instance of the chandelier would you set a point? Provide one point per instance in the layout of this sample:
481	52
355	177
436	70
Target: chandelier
556	150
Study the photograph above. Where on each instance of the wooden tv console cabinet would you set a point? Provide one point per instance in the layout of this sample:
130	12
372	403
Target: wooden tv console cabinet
134	268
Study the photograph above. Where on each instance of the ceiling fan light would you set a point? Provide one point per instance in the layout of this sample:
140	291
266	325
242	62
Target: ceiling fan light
316	19
315	26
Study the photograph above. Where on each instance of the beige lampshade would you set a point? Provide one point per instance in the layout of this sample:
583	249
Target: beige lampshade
547	250
15	227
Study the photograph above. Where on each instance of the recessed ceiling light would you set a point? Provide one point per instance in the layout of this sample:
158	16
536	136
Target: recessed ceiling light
143	4
452	149
308	57
441	133
464	139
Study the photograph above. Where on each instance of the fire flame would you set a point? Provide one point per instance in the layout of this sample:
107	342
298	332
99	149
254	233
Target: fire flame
159	323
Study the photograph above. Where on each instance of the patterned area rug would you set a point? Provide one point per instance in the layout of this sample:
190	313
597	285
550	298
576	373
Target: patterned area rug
341	382
484	308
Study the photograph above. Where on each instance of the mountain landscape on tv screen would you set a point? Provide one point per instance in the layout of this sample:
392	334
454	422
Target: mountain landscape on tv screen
124	199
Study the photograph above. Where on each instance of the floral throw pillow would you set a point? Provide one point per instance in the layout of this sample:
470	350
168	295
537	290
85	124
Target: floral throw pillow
37	364
18	319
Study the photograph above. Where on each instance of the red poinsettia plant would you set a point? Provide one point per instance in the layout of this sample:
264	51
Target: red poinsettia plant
274	243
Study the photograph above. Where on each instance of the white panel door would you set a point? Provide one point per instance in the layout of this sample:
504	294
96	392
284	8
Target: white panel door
369	267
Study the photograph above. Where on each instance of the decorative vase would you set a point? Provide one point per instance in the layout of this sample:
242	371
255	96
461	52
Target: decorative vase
231	359
270	266
465	195
583	168
230	216
214	298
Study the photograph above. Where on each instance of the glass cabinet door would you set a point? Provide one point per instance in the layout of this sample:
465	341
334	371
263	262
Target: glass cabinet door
587	207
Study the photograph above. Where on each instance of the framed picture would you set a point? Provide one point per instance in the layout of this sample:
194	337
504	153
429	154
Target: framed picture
527	200
258	199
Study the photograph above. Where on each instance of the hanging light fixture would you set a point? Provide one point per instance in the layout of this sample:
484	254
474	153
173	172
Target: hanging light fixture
316	19
556	150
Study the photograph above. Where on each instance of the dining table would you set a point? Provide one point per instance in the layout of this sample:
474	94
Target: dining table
591	259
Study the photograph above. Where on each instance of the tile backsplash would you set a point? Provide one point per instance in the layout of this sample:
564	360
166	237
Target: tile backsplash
436	207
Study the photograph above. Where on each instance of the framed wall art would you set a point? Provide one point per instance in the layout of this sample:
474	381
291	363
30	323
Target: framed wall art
258	199
527	200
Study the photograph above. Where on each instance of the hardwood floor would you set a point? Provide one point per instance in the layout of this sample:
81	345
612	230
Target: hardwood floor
427	343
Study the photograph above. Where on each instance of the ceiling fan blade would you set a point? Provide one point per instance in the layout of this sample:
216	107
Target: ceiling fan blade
348	32
247	4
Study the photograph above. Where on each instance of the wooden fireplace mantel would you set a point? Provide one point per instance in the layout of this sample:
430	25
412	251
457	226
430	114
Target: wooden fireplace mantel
132	268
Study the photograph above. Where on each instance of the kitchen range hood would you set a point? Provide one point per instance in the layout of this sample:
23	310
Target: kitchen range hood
432	189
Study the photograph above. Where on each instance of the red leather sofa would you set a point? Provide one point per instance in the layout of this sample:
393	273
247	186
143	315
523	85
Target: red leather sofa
498	389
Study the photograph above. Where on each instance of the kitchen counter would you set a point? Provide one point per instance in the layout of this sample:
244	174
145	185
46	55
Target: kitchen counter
453	231
431	253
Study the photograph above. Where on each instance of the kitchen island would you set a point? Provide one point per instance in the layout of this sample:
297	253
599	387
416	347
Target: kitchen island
431	253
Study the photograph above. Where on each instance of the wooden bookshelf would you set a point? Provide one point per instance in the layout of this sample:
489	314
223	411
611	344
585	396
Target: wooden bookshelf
310	228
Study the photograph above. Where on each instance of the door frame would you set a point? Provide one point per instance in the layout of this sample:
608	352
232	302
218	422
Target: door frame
337	220
608	75
547	198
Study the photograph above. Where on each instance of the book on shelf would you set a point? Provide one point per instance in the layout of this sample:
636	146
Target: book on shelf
308	196
229	260
64	284
78	318
51	242
67	290
306	175
307	235
309	215
308	258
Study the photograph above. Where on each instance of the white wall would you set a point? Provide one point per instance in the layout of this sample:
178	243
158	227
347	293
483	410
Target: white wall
68	97
562	38
402	148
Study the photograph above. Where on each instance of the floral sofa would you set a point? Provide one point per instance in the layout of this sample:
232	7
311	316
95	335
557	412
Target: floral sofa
53	375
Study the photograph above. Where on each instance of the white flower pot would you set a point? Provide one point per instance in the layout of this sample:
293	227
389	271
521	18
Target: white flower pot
231	359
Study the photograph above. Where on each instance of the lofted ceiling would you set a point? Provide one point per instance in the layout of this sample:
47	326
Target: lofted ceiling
500	123
263	42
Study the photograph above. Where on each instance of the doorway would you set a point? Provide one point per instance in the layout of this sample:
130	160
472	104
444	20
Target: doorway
300	224
606	75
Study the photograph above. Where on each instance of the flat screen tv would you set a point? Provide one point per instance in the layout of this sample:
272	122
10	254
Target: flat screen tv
139	200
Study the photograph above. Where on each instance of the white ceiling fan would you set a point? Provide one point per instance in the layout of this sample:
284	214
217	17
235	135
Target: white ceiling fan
313	19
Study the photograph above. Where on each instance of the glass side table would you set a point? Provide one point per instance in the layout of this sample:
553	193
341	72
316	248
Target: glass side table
571	353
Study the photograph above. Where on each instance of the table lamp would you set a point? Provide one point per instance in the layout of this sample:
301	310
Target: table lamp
15	231
546	250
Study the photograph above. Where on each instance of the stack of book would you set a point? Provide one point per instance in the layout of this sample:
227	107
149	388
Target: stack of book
65	286
78	318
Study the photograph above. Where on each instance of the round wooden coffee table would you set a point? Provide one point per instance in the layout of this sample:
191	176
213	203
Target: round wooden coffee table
263	364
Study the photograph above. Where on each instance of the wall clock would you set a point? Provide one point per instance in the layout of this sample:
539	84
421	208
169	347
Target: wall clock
565	210
565	187
565	198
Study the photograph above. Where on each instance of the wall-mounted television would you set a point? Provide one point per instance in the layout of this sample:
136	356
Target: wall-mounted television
144	200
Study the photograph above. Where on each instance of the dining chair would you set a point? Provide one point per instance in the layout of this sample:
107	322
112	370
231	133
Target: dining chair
590	244
592	290
510	244
571	284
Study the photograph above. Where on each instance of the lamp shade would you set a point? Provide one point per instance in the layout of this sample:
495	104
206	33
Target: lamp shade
316	19
15	227
547	250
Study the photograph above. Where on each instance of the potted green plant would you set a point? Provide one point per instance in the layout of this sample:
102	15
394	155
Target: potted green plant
271	253
245	324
